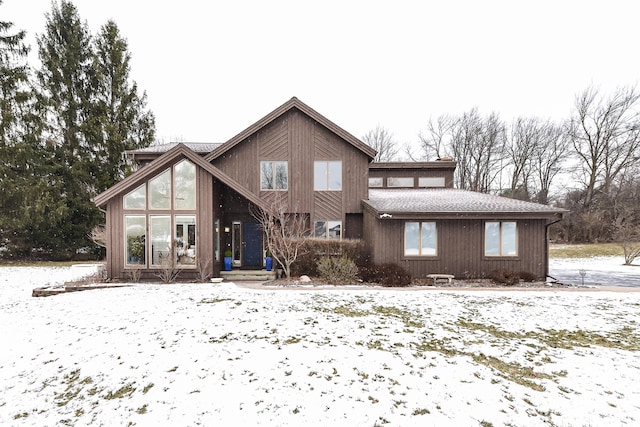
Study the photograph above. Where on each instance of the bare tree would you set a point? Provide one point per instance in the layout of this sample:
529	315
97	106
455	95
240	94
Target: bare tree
523	139
436	140
549	158
382	141
477	145
285	232
605	133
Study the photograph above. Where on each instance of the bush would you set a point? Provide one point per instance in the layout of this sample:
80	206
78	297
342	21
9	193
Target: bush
337	269
527	276
505	277
385	274
307	261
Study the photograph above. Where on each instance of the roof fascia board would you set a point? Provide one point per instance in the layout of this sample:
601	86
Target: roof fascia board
161	162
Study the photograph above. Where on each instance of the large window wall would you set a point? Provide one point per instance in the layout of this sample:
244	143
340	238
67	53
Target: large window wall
160	220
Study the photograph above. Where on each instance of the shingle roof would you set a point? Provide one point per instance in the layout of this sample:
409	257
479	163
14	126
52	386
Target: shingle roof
197	147
450	201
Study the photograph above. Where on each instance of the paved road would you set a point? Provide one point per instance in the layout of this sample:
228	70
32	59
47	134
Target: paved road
629	277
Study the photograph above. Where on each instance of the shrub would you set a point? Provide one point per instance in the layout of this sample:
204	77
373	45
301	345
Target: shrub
385	274
337	269
307	261
527	276
505	277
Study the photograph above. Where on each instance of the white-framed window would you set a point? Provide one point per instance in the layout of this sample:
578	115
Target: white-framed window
375	182
500	238
327	229
327	175
426	181
420	239
400	182
274	175
161	240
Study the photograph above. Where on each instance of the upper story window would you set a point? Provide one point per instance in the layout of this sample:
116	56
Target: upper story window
327	175
400	182
173	188
160	191
437	181
184	182
274	175
500	238
375	182
137	199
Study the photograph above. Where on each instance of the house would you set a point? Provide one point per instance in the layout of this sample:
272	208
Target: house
189	203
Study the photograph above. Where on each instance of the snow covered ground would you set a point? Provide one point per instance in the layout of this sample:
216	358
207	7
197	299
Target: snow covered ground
604	270
219	354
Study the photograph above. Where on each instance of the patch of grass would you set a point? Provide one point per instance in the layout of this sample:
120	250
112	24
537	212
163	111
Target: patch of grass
421	411
586	250
407	317
142	410
125	391
147	388
515	372
214	300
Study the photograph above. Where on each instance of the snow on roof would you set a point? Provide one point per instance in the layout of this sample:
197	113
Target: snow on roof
450	200
198	147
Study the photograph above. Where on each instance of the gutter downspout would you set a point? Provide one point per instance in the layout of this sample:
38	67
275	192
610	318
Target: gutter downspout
546	247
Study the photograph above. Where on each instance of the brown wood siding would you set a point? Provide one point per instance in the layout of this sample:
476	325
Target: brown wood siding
205	217
298	139
328	206
460	248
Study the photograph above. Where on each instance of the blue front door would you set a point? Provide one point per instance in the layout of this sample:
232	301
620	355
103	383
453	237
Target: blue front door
252	245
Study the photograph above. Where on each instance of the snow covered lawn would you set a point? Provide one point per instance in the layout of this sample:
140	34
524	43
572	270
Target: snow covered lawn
205	354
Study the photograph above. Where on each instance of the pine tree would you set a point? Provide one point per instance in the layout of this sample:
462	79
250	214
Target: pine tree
66	93
120	114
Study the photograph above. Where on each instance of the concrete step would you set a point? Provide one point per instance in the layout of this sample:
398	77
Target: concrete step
248	275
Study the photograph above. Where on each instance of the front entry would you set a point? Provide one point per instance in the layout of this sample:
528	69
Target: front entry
251	245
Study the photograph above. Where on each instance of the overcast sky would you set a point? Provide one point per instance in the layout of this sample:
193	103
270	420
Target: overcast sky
212	68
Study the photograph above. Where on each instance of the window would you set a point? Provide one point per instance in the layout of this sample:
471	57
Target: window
184	183
137	199
400	182
328	229
431	181
135	233
273	175
185	239
375	182
500	238
160	230
160	191
420	239
327	175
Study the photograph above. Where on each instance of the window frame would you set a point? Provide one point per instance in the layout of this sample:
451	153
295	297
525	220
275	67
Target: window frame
420	248
501	240
327	175
168	181
273	165
401	182
328	225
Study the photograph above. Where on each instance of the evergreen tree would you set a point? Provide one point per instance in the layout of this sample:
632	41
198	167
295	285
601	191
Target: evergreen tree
120	115
66	94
